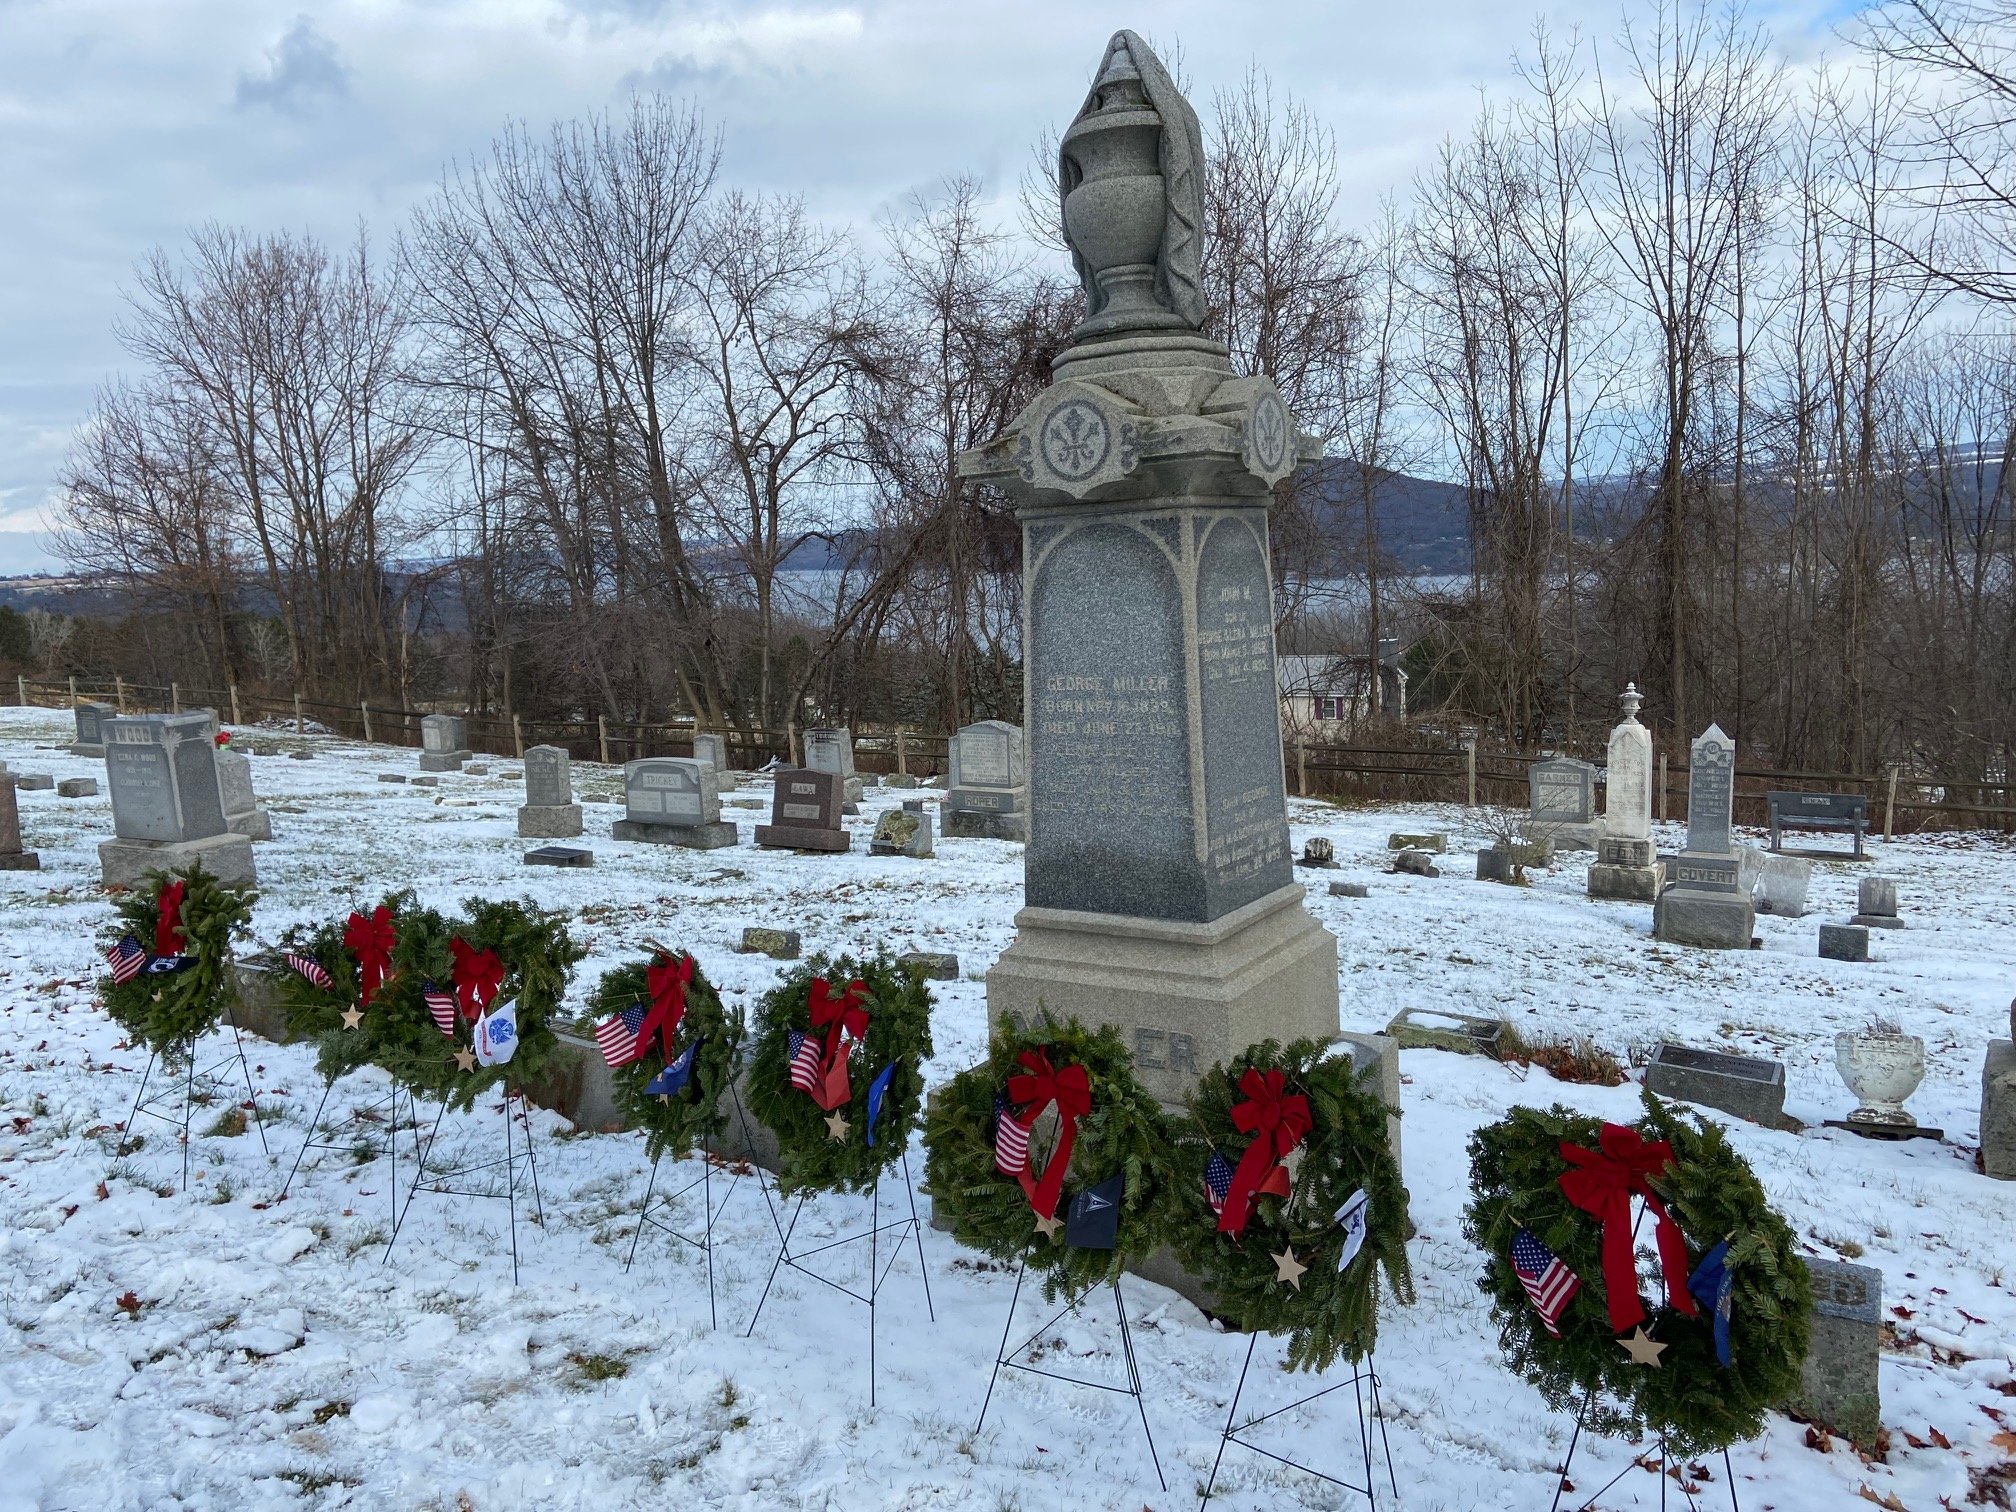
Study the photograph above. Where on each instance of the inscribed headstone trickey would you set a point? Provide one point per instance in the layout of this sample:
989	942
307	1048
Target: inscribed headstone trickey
670	790
162	769
549	776
1711	791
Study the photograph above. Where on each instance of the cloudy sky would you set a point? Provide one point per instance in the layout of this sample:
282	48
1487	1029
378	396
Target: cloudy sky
124	123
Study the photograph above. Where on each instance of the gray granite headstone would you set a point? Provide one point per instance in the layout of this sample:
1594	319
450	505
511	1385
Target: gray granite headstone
162	769
1838	1386
549	776
443	733
712	749
1747	1086
1998	1108
988	794
91	719
1876	903
1561	790
1844	942
1711	792
670	790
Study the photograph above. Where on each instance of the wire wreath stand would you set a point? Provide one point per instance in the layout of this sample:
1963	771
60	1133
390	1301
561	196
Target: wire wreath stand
358	1134
152	1107
705	1181
1364	1382
516	1163
1008	1359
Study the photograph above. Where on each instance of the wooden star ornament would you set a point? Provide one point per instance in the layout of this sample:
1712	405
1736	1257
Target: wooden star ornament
352	1017
1288	1268
1642	1347
836	1126
1048	1227
465	1060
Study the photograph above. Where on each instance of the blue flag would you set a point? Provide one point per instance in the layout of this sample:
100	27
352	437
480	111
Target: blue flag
876	1090
672	1080
1712	1284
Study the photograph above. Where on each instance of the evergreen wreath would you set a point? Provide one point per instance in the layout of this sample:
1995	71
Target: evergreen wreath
537	956
182	983
1125	1133
1325	1311
675	1124
898	1034
1689	1399
418	952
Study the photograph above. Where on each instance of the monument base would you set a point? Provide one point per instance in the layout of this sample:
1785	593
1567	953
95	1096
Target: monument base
793	837
964	824
443	761
549	821
256	824
1878	921
1705	920
691	836
1629	884
1569	836
20	861
127	863
1183	996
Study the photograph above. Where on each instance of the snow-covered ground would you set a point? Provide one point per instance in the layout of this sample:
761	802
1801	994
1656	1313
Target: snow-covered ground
264	1356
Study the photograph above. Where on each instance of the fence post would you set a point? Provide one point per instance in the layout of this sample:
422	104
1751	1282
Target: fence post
21	688
1470	774
73	689
364	708
236	717
119	690
1301	768
902	752
174	698
1890	801
602	736
1662	787
300	724
791	741
518	736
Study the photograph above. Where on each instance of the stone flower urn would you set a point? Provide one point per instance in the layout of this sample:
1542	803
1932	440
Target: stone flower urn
1881	1068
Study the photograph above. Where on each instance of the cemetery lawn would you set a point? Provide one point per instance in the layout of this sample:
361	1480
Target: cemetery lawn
213	1348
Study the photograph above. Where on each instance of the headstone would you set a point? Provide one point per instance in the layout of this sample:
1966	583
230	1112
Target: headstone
989	795
242	814
12	857
1747	1086
1317	852
713	749
1876	903
1434	1029
476	769
1494	864
1437	843
427	781
778	944
672	800
1376	1059
1781	888
1998	1107
34	782
1706	901
444	743
1349	890
1419	863
900	832
1561	802
899	780
1838	1386
1844	942
399	777
913	806
934	965
77	787
549	811
91	719
1626	870
832	751
559	855
1627	776
167	808
1158	878
805	813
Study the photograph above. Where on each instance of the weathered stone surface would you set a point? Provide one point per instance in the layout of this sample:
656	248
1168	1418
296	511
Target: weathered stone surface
1438	844
254	825
1781	888
969	825
427	782
936	965
476	769
549	777
832	751
715	836
902	833
1612	850
301	755
1838	1387
805	813
1703	919
1625	884
1534	853
399	777
77	787
778	944
1377	1059
560	855
988	775
12	857
1627	777
1747	1086
899	780
1435	1029
549	821
34	782
1876	903
127	863
162	770
442	761
1419	863
1318	852
1493	865
670	791
1844	942
1711	792
1561	792
445	734
91	719
1349	890
1998	1110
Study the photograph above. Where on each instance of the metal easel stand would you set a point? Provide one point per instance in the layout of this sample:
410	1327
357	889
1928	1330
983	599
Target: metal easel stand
516	1164
712	1210
878	1269
185	1085
359	1134
1364	1381
1006	1358
1637	1462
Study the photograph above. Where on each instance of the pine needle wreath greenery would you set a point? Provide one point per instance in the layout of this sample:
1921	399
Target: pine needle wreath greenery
420	953
674	1125
1697	1406
899	1032
1328	1312
1126	1133
170	1011
538	955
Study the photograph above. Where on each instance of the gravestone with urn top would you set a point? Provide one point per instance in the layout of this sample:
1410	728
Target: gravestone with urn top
671	800
1626	865
549	811
167	804
989	795
444	743
1159	893
1706	901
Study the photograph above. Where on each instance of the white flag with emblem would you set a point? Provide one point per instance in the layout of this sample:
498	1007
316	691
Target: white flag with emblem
1352	1216
497	1036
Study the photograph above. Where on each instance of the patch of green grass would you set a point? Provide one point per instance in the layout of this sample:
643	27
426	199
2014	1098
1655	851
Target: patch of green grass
228	1125
597	1367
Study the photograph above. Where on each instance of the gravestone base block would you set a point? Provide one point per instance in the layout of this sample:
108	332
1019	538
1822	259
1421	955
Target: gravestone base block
443	761
690	836
804	838
1704	920
559	855
1625	884
964	824
20	861
549	821
1877	921
1183	996
1998	1111
1573	836
84	749
253	825
126	863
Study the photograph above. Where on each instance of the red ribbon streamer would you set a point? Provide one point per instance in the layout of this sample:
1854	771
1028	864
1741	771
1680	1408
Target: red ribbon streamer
667	980
1602	1184
1278	1122
168	923
371	941
478	974
1071	1090
843	1015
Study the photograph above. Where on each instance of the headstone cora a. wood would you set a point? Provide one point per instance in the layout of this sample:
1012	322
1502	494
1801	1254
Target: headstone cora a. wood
832	750
1876	903
1746	1086
672	800
902	832
805	813
1838	1387
989	794
778	944
167	808
1158	878
1627	868
444	743
242	813
1561	802
1706	901
549	811
12	857
91	719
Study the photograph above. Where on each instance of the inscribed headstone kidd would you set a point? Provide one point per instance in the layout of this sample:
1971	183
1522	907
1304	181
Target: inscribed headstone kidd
672	800
805	813
1157	874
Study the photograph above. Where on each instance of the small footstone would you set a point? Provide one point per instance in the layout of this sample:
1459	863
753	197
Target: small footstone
1417	862
301	755
778	944
1434	1029
1844	942
1439	844
1838	1387
1748	1086
34	782
77	787
426	781
392	777
936	965
476	769
1349	890
1493	865
559	855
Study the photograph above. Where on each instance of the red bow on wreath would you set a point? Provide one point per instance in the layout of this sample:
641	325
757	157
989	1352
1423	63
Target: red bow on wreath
168	923
1278	1122
843	1017
1602	1184
371	941
478	974
667	980
1071	1090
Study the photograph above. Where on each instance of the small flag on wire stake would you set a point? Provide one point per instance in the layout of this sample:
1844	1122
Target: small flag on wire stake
617	1036
309	970
805	1051
441	1004
1547	1281
1011	1142
126	959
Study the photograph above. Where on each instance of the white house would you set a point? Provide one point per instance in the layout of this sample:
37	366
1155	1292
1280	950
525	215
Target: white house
1327	697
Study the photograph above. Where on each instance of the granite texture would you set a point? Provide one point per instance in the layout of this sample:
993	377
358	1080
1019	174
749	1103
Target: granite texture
162	771
805	812
256	824
965	824
77	787
1704	920
127	863
1747	1086
1844	942
1838	1386
443	761
560	855
34	782
670	791
549	778
902	833
1711	792
1998	1110
715	836
544	821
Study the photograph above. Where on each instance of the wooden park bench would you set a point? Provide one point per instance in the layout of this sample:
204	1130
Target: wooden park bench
1819	811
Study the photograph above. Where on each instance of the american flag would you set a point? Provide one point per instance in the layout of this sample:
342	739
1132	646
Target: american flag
310	969
1218	1173
441	1004
616	1036
804	1062
1011	1142
1547	1281
126	960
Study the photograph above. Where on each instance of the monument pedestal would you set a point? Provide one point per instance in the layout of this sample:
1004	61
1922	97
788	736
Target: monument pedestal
1626	871
83	748
549	821
1183	996
444	761
966	824
126	863
804	838
692	836
253	824
1685	915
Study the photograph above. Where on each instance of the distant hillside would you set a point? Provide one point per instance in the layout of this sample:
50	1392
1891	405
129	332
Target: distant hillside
1424	526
